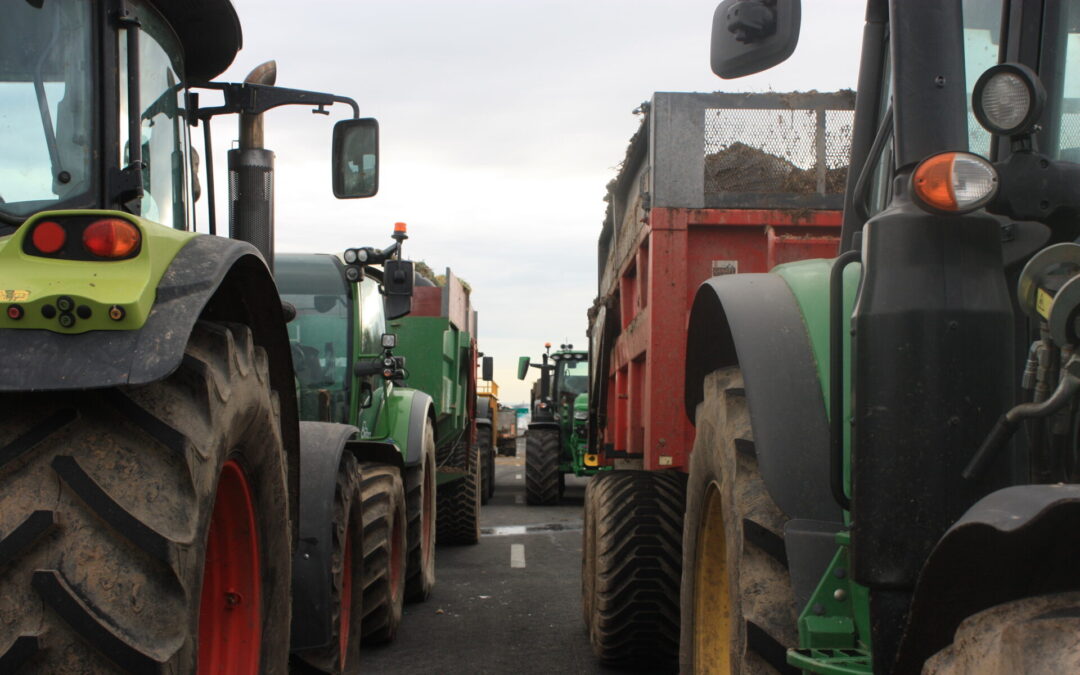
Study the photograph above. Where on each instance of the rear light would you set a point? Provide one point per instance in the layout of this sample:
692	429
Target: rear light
48	236
954	182
111	238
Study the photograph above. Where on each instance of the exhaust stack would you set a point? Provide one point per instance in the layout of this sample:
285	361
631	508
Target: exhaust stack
251	177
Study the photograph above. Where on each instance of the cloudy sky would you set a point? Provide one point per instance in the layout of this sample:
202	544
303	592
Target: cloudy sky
501	122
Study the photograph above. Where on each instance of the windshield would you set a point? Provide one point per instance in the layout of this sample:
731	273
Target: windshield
319	334
1061	77
572	377
46	105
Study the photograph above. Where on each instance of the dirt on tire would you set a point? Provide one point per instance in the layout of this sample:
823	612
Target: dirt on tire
384	550
635	519
762	615
105	504
421	512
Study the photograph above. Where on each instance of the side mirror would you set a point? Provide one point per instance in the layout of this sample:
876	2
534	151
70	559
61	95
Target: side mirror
749	36
523	367
356	158
487	368
398	287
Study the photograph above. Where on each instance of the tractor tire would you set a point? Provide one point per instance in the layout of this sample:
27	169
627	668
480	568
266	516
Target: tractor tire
542	474
487	469
384	550
738	608
420	533
348	567
459	503
588	557
147	529
1032	635
636	560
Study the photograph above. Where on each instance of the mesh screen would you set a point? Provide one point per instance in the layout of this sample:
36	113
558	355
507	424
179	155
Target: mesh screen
782	150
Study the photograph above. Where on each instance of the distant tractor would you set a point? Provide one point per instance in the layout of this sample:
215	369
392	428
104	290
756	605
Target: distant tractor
556	441
487	421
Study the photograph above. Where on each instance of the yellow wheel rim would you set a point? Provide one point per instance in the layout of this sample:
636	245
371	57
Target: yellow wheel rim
712	598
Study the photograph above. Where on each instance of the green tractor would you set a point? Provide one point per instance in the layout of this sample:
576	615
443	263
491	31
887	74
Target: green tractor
556	442
347	374
885	477
163	508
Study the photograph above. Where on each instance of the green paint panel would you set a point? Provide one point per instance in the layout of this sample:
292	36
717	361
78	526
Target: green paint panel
34	282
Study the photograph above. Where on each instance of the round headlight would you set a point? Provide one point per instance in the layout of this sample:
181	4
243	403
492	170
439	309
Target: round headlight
350	256
1008	99
954	182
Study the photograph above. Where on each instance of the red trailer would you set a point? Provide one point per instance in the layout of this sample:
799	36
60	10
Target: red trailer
711	184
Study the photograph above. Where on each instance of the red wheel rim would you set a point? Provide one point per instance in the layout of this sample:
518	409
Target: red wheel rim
346	601
230	613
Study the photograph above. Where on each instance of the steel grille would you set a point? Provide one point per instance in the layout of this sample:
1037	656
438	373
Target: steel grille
767	147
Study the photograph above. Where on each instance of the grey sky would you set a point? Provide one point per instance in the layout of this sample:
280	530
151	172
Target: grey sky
501	123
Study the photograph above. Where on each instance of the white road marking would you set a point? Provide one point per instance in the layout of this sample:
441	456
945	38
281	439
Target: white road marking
517	476
519	499
517	555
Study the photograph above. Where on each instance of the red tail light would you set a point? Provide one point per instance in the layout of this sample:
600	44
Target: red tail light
111	238
48	237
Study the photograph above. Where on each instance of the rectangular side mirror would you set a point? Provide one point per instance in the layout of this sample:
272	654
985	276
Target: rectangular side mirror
523	367
398	287
356	158
487	368
749	36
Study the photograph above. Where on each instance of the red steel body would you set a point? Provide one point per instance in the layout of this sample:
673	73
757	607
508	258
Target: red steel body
676	250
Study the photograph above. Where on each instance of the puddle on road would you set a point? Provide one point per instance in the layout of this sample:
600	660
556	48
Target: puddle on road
511	530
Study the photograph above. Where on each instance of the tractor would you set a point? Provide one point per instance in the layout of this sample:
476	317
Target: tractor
884	473
162	506
347	374
556	439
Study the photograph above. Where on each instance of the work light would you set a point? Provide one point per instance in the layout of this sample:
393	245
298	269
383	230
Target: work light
1008	99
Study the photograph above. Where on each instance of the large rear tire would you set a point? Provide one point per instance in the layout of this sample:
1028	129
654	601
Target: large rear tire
632	589
542	476
459	503
384	550
738	609
348	567
1032	635
146	529
420	534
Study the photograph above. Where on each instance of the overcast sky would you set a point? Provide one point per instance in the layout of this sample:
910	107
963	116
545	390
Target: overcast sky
501	122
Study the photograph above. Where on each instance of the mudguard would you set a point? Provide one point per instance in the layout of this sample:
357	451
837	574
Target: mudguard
754	321
321	447
41	360
421	412
1014	543
209	278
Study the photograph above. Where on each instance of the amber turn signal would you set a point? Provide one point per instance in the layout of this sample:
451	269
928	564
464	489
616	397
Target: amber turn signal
954	182
111	238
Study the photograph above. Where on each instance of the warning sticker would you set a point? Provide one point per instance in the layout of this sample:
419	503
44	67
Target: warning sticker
14	295
1043	300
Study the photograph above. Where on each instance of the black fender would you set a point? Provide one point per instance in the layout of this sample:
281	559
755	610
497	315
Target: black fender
1014	543
321	446
540	426
753	321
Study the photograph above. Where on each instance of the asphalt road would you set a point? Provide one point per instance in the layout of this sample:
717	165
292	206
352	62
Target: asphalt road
510	604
